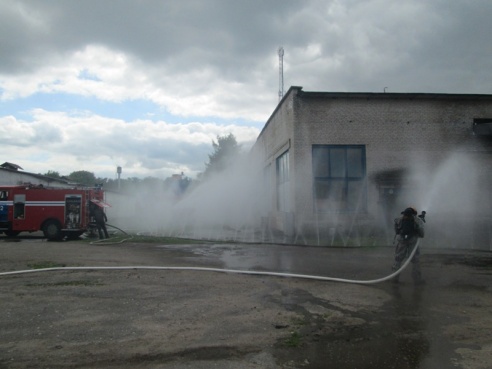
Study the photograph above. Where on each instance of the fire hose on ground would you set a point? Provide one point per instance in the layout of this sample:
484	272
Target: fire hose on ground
236	271
107	240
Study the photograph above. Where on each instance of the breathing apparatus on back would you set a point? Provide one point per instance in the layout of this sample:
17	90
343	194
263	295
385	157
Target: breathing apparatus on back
406	226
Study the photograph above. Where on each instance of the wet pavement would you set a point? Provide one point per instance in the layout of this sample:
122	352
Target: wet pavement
444	324
406	333
356	263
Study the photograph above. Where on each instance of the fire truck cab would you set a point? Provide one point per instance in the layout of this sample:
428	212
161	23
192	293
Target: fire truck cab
57	212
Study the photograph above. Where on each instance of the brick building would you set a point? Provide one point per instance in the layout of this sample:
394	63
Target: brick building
339	167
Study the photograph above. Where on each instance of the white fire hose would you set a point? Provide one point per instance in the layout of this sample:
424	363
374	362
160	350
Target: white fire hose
236	271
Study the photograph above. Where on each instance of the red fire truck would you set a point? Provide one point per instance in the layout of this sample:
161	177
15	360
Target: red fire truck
58	212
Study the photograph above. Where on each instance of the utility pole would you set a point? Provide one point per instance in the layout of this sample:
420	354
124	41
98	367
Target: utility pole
118	171
280	73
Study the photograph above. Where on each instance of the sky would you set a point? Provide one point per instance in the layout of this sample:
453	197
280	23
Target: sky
148	85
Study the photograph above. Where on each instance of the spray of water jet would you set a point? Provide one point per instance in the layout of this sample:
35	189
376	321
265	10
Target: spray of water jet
236	204
455	193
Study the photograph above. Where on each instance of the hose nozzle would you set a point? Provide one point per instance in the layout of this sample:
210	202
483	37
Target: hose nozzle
422	215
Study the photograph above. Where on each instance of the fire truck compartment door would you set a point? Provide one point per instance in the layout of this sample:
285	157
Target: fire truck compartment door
19	206
4	207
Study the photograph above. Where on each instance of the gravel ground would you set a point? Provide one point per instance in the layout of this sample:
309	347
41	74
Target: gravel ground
194	319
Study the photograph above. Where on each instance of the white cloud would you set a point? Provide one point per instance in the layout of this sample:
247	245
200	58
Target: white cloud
115	77
145	148
214	62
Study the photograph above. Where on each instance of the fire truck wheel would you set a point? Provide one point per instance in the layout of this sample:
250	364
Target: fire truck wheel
11	233
52	230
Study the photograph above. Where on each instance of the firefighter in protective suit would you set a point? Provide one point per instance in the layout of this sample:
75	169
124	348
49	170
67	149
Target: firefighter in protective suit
100	219
409	228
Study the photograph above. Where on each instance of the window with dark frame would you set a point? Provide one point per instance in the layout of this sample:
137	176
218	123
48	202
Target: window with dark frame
283	176
339	173
482	126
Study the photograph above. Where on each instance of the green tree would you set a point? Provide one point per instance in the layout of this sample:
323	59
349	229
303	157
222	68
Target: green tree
83	177
226	151
52	174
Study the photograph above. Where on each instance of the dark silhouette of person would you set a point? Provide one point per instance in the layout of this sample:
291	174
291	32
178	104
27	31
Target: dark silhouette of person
409	228
101	219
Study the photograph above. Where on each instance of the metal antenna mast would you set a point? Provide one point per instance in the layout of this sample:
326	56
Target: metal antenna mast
280	73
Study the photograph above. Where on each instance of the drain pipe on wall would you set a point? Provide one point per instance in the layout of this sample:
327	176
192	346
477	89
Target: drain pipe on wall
236	271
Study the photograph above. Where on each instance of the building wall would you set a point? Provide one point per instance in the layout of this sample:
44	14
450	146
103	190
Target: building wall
275	139
417	135
13	178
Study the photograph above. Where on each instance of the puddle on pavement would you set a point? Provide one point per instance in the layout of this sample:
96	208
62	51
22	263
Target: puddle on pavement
402	335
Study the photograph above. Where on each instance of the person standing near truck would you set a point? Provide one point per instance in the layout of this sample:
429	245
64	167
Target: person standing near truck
100	219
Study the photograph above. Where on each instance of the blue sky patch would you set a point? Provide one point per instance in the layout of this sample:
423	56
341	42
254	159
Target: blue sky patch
128	110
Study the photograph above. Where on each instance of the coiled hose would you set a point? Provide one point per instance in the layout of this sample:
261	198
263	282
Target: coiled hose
236	271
